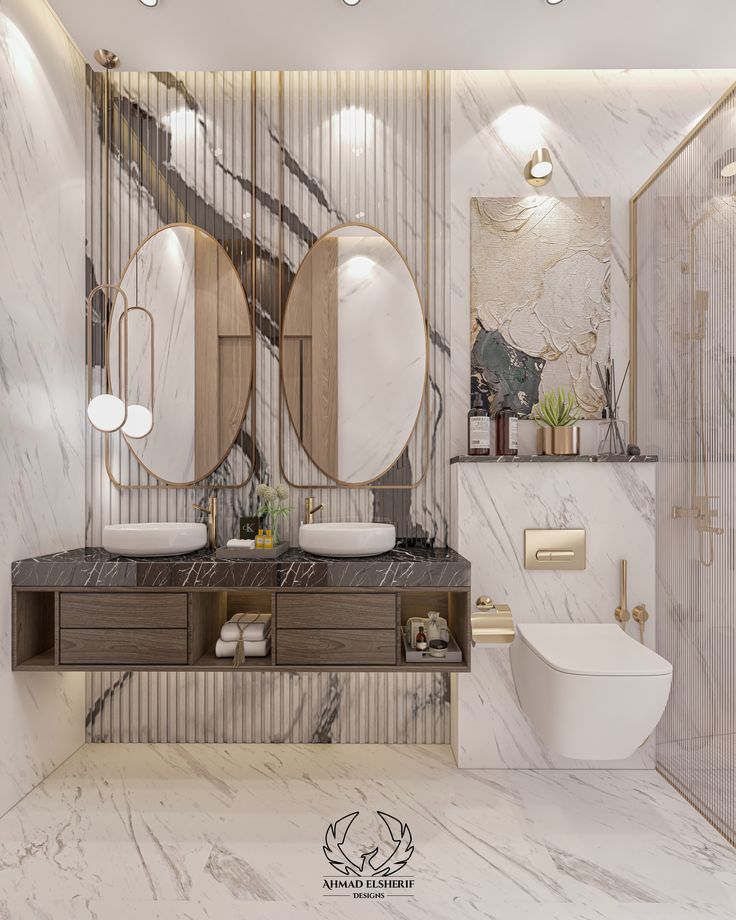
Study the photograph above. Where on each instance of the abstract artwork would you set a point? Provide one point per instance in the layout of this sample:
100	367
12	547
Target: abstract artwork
540	299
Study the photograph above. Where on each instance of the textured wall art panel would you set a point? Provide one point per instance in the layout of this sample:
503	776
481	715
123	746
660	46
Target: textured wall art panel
540	298
268	708
267	163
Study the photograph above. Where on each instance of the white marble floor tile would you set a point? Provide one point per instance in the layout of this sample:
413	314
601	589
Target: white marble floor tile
204	831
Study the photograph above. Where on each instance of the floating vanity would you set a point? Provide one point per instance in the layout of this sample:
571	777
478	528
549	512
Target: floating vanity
86	610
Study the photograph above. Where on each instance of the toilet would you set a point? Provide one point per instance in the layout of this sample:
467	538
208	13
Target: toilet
590	691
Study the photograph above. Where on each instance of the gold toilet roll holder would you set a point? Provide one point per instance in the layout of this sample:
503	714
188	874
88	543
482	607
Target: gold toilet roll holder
491	624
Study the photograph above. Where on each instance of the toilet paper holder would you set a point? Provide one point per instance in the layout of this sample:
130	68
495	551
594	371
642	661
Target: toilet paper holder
491	624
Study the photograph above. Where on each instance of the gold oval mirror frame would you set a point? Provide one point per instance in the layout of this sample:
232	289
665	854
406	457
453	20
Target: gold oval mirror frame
192	360
354	354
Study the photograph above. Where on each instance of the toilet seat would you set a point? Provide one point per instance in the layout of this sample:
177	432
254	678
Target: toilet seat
592	649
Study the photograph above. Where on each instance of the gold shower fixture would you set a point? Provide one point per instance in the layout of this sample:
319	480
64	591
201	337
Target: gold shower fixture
538	171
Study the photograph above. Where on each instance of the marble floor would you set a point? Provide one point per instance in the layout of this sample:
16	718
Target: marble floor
163	832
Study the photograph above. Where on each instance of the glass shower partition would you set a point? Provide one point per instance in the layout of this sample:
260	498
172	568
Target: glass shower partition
684	347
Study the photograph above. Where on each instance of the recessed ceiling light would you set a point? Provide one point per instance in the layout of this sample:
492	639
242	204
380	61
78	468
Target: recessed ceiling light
150	3
554	2
351	2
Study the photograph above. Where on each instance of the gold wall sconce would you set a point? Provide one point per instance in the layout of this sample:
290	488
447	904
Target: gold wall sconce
139	421
107	412
538	171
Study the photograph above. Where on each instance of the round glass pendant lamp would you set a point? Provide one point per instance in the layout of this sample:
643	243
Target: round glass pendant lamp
106	412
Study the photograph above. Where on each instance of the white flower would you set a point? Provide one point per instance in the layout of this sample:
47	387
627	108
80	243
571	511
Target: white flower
282	492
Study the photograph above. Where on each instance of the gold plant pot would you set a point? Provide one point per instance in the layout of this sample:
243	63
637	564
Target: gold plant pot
559	442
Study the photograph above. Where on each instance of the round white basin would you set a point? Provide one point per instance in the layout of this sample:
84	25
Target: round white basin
165	539
347	539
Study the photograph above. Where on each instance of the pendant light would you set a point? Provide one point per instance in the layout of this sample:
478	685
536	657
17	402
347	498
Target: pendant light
139	420
107	412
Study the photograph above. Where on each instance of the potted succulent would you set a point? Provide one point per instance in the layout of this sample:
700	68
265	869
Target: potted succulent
556	414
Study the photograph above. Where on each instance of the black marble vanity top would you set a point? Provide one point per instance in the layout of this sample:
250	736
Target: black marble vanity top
550	458
415	567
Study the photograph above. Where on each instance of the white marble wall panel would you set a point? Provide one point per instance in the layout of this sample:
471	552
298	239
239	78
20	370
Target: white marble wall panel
41	361
607	131
494	503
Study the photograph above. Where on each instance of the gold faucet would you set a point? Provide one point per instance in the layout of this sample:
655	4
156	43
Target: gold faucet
622	611
310	509
210	509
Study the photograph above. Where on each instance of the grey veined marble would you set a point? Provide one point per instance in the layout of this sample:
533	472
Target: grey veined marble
167	832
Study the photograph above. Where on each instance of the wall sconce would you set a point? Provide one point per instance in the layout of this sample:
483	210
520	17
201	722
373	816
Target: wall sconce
107	412
538	171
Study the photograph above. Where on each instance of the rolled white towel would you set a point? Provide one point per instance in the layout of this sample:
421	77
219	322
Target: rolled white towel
251	649
247	627
242	544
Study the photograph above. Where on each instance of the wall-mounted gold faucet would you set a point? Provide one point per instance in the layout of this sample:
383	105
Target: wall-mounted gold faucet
210	509
310	509
622	611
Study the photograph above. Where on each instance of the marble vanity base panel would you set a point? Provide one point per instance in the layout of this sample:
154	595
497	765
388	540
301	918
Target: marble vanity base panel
264	708
494	504
202	832
41	361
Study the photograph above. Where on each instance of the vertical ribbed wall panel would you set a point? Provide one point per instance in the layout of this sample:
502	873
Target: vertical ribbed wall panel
329	148
268	707
686	284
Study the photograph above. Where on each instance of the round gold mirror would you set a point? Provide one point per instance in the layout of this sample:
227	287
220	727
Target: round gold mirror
354	354
189	356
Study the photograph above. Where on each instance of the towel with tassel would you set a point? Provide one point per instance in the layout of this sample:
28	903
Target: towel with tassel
251	626
242	649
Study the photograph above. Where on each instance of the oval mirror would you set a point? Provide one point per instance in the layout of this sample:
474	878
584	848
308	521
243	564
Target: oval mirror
190	353
354	354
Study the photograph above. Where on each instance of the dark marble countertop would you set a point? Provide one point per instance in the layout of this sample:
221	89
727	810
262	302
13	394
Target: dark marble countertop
549	458
415	567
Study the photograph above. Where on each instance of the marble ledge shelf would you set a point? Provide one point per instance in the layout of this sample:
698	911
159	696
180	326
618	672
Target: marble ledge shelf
548	458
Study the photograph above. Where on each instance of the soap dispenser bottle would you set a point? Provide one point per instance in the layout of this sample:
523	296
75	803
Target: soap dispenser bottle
479	429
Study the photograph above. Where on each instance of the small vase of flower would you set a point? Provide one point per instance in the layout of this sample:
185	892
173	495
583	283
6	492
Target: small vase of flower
556	413
272	508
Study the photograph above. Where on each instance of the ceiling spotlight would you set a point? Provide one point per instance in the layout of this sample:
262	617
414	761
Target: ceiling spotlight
351	2
149	3
553	2
538	171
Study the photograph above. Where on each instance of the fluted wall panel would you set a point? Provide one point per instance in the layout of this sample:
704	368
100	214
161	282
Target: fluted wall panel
267	162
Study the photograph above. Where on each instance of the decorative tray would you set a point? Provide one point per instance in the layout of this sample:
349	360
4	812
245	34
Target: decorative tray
240	552
453	652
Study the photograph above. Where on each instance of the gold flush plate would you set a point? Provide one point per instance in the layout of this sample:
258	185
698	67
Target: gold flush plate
553	550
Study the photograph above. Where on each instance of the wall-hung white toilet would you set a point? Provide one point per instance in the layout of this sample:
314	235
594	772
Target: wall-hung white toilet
590	691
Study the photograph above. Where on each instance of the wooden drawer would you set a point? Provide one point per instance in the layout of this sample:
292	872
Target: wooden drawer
336	647
123	611
119	647
342	611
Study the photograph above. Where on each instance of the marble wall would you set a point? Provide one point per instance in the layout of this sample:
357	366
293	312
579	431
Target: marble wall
493	504
607	132
41	361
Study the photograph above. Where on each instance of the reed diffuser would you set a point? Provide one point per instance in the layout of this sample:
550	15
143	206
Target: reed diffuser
612	441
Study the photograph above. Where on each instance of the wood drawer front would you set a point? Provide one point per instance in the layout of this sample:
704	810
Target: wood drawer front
119	647
342	611
336	647
123	611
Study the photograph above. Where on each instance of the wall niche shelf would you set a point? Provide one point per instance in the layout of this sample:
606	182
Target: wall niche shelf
548	458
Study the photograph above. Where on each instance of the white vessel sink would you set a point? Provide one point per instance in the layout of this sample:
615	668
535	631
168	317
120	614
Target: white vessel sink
349	539
153	539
